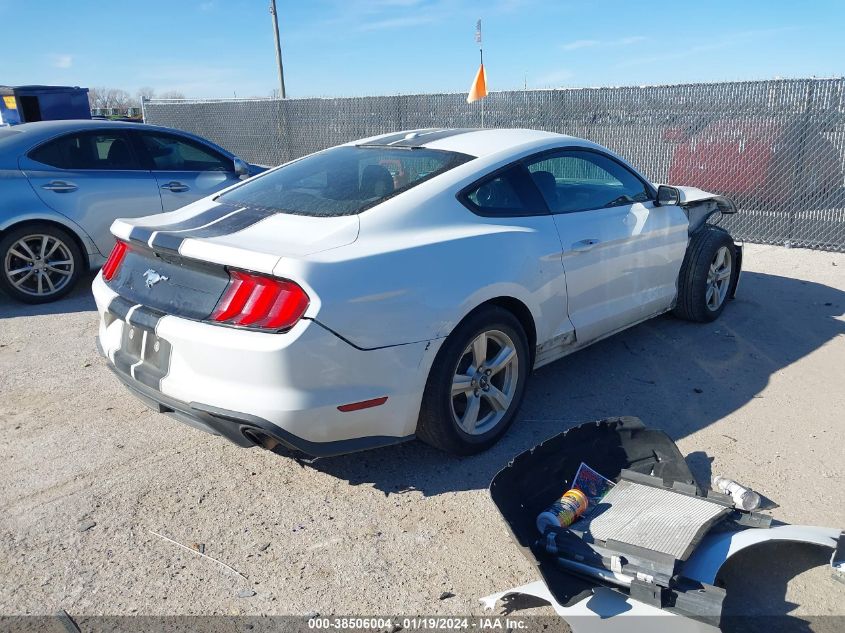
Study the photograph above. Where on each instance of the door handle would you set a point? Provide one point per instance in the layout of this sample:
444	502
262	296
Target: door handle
582	246
60	186
175	187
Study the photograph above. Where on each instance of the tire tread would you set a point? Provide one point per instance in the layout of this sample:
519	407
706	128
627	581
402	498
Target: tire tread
692	278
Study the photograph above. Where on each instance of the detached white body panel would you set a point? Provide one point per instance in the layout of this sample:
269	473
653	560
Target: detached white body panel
606	611
609	610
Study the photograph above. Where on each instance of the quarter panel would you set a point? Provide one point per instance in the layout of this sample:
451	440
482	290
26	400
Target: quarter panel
416	283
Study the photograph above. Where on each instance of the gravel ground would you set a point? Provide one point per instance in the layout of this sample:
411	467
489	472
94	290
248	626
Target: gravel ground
88	473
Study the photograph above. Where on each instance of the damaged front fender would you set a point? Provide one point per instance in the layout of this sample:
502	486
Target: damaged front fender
700	205
716	549
591	613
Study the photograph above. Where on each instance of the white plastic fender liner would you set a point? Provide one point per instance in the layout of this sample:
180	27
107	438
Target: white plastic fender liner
715	549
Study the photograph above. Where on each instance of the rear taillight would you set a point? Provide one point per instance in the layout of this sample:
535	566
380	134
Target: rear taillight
260	302
115	259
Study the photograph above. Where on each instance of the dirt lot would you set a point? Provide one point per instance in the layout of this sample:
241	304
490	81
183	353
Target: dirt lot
88	472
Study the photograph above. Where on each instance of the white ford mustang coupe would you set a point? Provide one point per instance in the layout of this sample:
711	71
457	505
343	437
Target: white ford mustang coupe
400	286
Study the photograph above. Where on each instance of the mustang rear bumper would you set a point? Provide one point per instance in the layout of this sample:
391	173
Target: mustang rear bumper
252	387
244	429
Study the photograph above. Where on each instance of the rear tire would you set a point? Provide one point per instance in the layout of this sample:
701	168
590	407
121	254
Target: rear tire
708	275
39	263
467	406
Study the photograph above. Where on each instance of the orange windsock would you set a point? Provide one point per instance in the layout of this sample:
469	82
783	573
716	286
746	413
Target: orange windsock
478	90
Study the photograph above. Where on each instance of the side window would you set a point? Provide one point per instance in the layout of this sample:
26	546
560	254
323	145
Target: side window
89	150
576	180
507	193
172	153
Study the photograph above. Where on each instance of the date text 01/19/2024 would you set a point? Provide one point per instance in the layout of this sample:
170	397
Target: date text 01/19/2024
417	623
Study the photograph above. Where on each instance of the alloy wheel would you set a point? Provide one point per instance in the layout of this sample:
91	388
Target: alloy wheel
38	265
719	278
484	382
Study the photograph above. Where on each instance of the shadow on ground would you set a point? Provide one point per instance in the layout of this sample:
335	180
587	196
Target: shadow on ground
674	375
756	582
80	299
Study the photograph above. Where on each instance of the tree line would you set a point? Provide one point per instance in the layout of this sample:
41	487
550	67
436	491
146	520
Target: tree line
108	98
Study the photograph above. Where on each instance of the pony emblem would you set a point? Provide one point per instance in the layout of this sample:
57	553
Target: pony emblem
151	278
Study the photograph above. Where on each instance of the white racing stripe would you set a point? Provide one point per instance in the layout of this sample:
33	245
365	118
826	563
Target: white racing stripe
143	341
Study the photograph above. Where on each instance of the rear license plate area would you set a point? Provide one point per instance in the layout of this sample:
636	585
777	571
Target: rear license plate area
143	355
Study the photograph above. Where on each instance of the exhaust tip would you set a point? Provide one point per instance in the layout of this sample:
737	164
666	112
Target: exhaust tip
261	439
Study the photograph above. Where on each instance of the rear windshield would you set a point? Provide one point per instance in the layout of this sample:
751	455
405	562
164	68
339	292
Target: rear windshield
343	180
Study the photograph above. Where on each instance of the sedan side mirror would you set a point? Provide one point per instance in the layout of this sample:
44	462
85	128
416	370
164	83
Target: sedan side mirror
241	167
668	196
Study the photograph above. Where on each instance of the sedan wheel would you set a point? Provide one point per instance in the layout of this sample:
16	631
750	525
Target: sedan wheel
40	264
476	383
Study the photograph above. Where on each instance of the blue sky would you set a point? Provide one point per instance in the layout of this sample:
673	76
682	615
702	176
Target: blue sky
223	48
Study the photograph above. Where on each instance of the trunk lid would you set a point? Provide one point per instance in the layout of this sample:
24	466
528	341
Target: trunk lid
250	238
176	262
169	283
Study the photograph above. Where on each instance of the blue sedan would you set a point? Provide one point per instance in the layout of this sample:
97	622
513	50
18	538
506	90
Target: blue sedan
63	183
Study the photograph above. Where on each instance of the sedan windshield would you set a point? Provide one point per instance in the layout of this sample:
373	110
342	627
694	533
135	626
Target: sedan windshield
344	180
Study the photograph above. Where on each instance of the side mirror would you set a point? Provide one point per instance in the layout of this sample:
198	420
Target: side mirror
241	167
668	196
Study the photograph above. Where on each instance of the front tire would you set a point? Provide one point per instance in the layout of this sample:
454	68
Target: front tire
39	263
476	384
708	275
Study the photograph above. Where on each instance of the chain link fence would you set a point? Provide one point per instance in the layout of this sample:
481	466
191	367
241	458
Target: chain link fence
777	148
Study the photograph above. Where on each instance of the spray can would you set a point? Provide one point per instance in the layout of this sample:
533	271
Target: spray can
564	511
744	498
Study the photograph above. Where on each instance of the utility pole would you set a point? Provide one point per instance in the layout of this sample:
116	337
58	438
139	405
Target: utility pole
278	49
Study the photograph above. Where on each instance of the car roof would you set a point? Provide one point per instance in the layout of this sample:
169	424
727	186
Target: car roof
50	128
472	141
32	133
